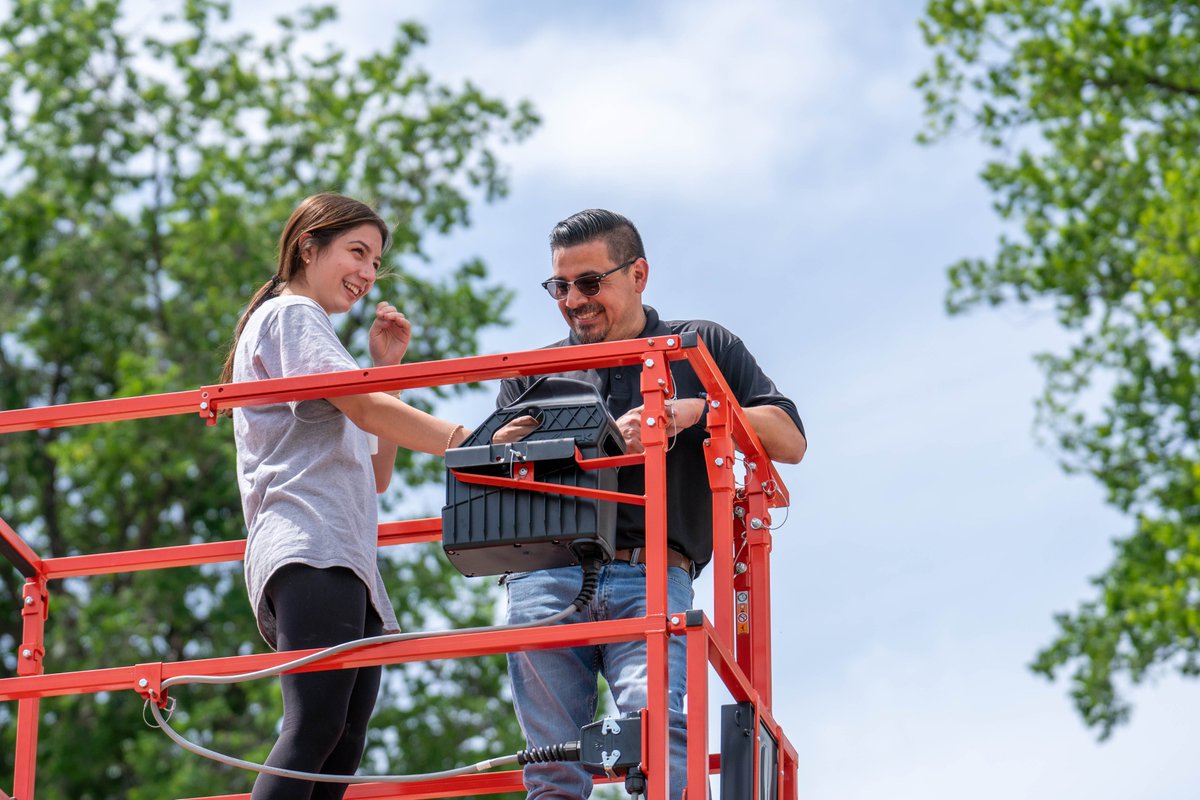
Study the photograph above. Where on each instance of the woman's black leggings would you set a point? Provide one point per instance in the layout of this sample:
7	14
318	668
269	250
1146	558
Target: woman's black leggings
325	713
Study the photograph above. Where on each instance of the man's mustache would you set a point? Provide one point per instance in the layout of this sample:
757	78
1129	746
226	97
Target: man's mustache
574	312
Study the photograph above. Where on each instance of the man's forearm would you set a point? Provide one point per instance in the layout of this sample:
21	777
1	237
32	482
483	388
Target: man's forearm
780	436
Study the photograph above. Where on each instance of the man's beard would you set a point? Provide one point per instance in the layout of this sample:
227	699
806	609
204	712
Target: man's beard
593	333
592	336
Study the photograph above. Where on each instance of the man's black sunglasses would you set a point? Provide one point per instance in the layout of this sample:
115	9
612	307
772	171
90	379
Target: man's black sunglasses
588	285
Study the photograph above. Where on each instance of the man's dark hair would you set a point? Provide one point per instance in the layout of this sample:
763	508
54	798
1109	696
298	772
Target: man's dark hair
618	234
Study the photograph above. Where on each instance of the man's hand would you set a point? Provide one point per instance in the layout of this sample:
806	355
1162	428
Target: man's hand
681	414
389	337
515	430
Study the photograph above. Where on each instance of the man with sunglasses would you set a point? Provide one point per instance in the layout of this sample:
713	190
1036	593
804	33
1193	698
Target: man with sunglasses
599	274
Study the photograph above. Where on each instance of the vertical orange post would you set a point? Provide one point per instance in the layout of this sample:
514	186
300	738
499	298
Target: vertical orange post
719	457
697	708
34	608
741	596
758	538
787	771
752	585
656	386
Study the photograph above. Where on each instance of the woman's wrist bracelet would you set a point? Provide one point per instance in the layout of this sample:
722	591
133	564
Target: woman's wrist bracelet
453	433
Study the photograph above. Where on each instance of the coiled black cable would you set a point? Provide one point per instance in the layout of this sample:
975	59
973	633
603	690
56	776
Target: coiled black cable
591	565
566	751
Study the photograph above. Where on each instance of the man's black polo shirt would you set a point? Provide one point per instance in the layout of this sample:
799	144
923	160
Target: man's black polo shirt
689	500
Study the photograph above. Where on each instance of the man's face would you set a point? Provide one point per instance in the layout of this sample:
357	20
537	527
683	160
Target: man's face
613	313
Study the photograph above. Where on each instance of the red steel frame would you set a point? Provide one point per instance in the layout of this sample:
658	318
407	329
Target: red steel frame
736	645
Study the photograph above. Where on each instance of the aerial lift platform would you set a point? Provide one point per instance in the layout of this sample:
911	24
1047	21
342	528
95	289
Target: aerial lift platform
755	759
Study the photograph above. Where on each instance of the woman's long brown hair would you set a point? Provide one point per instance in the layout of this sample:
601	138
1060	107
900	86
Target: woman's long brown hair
324	217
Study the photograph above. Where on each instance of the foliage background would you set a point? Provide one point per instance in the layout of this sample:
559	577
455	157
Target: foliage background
149	170
1093	111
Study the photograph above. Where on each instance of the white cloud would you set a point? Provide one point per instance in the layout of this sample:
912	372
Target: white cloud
714	94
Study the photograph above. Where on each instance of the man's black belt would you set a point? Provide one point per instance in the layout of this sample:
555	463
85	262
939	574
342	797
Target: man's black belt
637	555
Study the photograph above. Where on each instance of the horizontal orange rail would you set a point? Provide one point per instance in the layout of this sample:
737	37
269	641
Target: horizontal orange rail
188	555
456	645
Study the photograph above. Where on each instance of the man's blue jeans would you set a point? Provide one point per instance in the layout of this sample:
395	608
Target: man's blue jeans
555	691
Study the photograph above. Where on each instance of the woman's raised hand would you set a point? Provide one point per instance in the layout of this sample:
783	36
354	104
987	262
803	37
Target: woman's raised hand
390	335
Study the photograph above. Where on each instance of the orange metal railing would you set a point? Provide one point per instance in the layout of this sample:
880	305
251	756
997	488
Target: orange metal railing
736	645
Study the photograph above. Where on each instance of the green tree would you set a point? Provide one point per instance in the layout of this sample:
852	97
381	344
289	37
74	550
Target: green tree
1093	110
148	168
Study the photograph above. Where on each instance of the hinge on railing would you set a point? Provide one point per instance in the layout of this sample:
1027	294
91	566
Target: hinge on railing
208	408
147	681
36	598
30	662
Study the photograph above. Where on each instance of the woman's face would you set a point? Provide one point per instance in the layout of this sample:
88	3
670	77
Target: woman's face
341	273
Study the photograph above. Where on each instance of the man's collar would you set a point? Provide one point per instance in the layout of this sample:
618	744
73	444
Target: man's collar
654	326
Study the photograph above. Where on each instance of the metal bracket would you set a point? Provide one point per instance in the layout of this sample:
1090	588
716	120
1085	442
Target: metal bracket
612	744
147	681
35	598
208	408
30	661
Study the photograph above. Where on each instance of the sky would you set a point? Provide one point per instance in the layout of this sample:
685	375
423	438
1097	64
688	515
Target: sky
766	151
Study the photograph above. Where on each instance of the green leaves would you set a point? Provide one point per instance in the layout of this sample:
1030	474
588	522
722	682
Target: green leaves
1093	109
147	176
1145	615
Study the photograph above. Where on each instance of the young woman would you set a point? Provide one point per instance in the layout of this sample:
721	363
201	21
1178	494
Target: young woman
308	472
